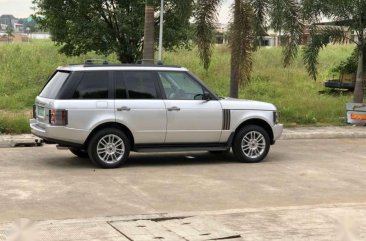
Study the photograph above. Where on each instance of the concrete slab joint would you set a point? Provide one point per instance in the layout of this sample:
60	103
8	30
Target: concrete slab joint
174	229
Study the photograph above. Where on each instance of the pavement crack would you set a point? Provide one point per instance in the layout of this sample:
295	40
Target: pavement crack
162	219
124	235
227	238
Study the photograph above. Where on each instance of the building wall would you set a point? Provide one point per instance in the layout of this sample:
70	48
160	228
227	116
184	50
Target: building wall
8	20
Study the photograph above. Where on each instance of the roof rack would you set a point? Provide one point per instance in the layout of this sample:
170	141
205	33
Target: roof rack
104	63
129	65
94	61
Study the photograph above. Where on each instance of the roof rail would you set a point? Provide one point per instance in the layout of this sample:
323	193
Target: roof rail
94	61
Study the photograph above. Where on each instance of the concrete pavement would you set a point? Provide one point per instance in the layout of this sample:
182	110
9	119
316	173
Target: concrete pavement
341	222
303	190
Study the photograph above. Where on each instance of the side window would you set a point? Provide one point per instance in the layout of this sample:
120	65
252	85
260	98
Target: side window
140	84
93	85
180	86
121	92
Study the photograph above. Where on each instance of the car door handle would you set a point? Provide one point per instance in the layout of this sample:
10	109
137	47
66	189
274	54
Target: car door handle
124	108
174	109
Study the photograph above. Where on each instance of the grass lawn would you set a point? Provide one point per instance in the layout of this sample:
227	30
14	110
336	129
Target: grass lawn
24	68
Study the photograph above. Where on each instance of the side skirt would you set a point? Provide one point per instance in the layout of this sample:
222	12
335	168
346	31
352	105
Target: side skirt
182	147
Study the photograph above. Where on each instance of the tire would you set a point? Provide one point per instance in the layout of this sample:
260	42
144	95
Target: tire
117	148
79	152
251	144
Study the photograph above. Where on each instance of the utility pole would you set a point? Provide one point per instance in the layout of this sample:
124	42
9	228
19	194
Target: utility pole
160	60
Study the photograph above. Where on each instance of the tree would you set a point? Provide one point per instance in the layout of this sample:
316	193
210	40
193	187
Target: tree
148	55
9	33
348	16
251	19
29	23
110	26
242	43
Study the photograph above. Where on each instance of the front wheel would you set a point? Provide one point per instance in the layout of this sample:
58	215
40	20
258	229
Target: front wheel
251	144
109	148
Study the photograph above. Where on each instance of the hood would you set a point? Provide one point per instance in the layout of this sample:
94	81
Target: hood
236	104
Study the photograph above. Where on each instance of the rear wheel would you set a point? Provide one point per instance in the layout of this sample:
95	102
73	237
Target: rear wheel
251	144
109	148
79	152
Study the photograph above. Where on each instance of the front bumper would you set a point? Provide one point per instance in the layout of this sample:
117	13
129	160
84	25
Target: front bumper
277	131
58	134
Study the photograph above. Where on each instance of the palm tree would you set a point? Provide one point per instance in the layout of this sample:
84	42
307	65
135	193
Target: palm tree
251	18
148	53
348	16
242	43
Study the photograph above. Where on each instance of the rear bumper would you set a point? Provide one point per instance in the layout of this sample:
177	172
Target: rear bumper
277	131
58	134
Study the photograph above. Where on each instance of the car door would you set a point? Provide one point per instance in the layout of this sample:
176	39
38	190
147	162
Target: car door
90	102
139	106
191	118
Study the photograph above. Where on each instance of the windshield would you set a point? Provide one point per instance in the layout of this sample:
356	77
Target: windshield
54	85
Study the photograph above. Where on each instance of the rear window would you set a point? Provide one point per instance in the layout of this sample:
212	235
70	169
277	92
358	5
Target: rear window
54	85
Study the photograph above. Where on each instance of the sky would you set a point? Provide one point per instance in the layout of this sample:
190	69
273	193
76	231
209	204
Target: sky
22	9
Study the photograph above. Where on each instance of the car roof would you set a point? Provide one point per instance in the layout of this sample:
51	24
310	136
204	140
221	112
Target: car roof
95	67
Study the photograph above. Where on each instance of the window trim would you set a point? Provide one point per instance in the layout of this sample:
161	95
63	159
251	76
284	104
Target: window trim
154	75
194	78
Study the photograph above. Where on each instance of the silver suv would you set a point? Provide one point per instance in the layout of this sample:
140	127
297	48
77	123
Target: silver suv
104	111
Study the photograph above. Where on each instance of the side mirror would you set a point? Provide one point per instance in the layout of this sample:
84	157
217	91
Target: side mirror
206	96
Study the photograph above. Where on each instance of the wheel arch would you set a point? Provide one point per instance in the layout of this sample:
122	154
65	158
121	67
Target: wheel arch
116	125
258	122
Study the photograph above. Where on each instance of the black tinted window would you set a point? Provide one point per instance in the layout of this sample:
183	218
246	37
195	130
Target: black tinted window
140	85
121	92
93	85
54	85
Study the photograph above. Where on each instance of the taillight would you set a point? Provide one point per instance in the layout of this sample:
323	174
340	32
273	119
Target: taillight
34	111
58	117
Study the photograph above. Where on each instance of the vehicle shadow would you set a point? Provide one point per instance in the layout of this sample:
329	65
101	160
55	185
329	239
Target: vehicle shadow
178	159
147	159
159	159
71	162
